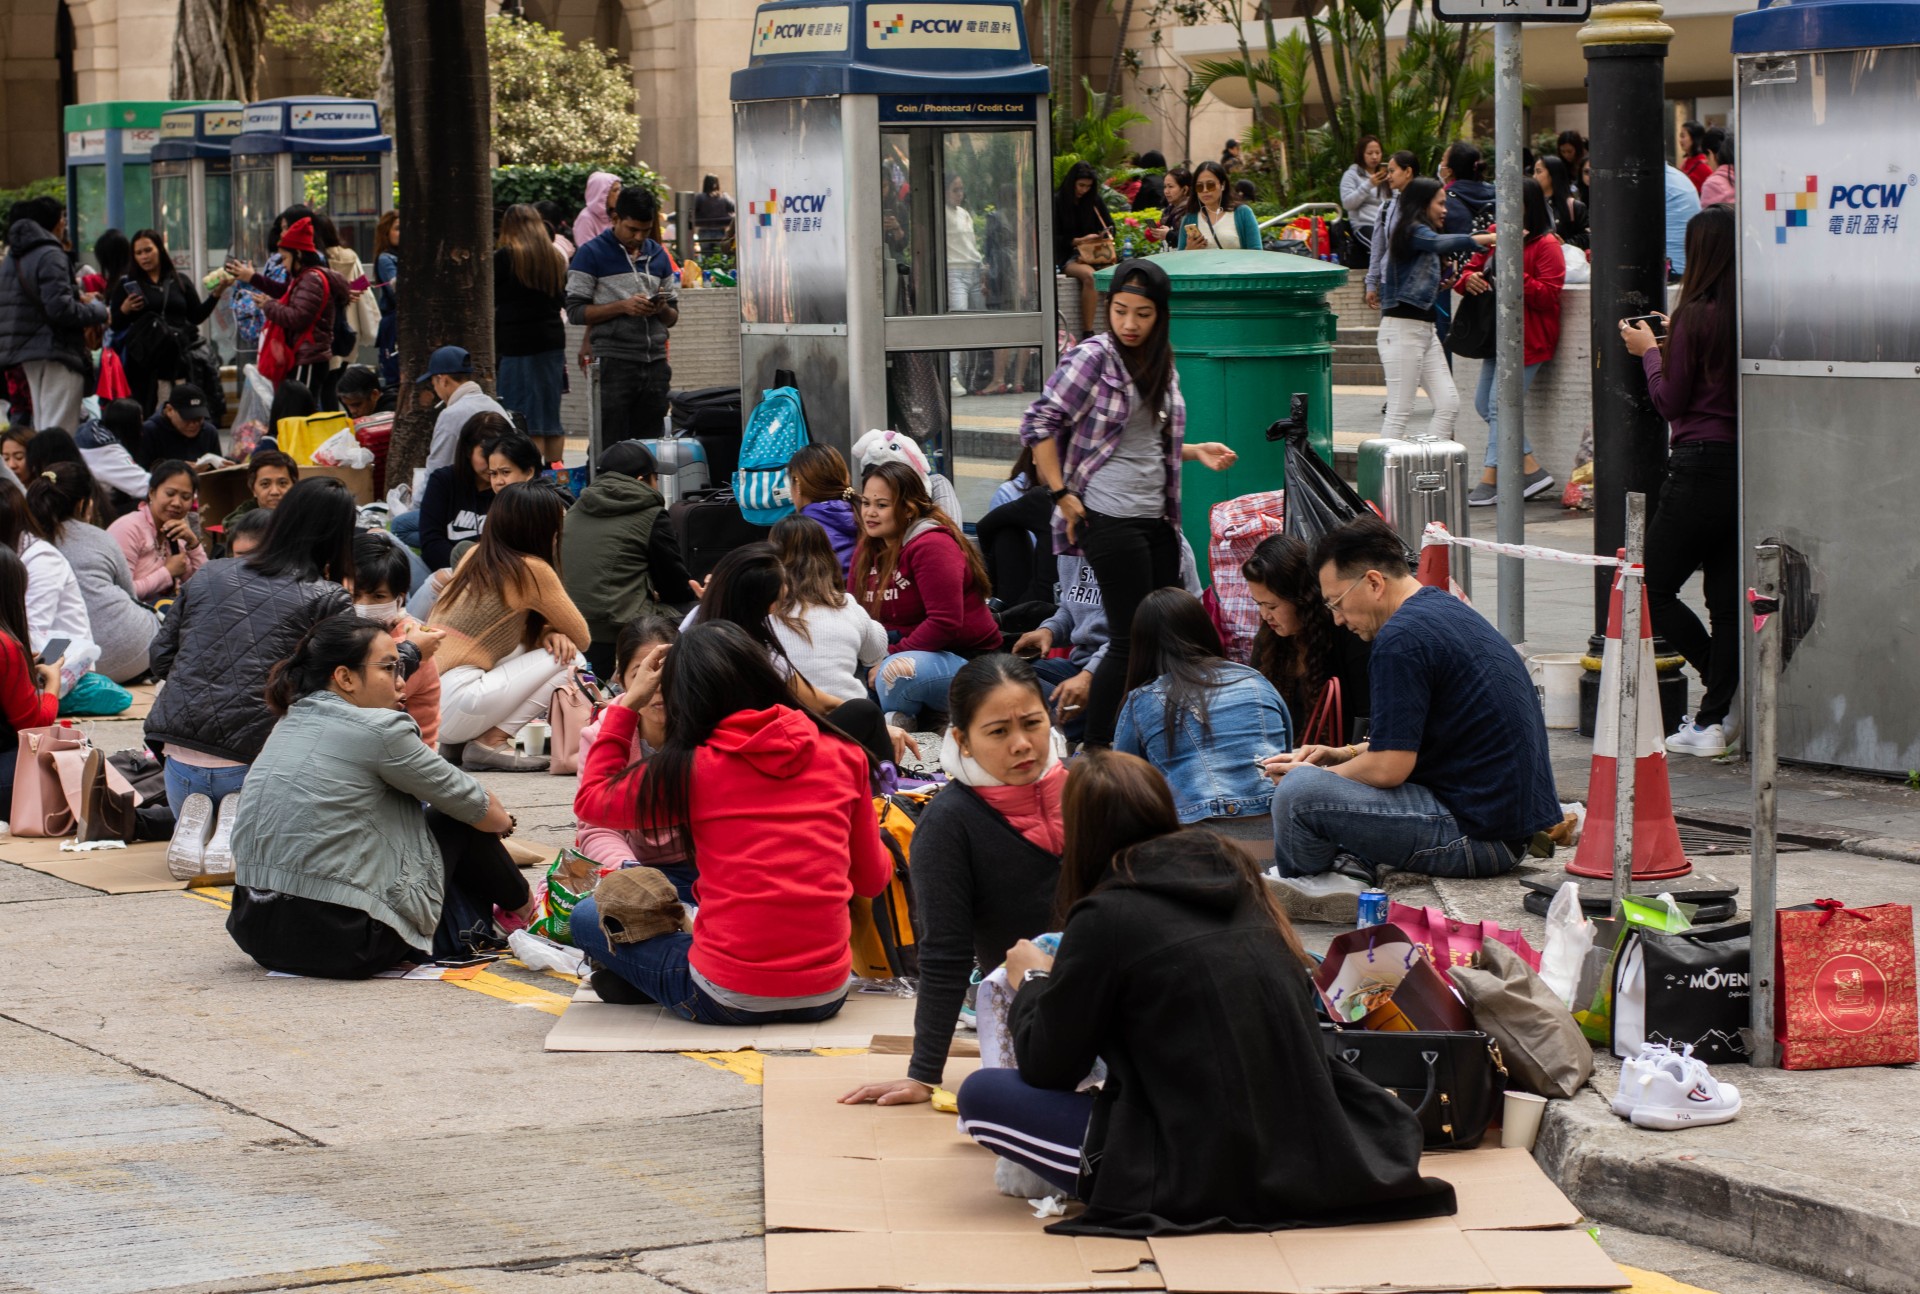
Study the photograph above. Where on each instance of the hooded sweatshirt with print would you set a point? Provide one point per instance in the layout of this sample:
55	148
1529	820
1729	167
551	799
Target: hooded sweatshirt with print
933	603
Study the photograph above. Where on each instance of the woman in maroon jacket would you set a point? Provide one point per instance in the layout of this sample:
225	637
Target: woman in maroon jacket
916	573
303	308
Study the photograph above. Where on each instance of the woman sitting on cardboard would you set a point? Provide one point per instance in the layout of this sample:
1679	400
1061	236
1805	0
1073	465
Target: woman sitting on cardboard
1221	1109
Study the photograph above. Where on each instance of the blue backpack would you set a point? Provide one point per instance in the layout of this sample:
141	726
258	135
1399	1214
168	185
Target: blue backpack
777	431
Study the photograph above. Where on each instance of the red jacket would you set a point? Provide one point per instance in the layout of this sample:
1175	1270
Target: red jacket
783	824
1697	168
1543	272
934	605
23	704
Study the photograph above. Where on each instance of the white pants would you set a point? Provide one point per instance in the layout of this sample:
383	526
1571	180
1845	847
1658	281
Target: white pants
509	696
1410	353
56	391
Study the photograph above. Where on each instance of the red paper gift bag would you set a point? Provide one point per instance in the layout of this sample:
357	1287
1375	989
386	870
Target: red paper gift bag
1844	986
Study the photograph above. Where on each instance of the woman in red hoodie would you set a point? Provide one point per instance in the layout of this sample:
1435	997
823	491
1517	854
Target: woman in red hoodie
917	574
777	808
1543	272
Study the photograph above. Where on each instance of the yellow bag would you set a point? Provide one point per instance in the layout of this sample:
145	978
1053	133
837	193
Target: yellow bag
884	944
299	437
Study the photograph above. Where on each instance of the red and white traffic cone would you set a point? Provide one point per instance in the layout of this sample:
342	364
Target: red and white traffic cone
1436	561
1657	854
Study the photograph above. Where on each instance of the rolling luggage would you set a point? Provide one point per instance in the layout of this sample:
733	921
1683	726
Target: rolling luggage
1415	481
711	415
710	525
683	467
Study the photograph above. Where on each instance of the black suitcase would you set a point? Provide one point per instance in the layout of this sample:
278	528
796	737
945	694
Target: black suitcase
709	525
709	409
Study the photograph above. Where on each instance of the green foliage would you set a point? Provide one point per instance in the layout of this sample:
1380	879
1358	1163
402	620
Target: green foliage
567	184
1099	138
54	186
340	40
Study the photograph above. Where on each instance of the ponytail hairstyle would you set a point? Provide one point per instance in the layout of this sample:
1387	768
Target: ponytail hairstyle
339	640
56	496
876	561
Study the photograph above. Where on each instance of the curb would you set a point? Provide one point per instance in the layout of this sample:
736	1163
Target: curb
1894	848
1621	1176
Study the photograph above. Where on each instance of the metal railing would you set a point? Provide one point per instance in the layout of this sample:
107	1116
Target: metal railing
1302	209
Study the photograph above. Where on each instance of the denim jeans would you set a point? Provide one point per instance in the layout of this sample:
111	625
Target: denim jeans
530	385
1318	814
214	783
658	967
1483	405
927	689
406	528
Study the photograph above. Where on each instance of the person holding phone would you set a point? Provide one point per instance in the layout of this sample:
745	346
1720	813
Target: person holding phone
1217	220
158	313
621	285
162	548
1364	193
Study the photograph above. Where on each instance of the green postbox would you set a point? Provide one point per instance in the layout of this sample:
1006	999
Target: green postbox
1250	330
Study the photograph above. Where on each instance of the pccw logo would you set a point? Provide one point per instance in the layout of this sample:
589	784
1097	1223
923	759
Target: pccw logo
798	213
1863	210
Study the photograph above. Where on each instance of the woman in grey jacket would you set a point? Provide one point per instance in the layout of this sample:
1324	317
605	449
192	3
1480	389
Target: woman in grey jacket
339	871
61	501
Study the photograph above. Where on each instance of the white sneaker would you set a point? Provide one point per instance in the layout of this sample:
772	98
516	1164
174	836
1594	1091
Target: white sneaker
187	851
1691	739
218	860
1691	1098
1652	1056
1331	896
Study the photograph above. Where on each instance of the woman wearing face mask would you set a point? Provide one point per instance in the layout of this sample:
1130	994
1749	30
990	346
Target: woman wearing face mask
1108	437
1409	295
986	855
381	576
1299	649
163	549
339	872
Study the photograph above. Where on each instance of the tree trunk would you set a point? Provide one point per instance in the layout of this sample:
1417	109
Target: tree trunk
1336	129
216	49
1119	50
443	131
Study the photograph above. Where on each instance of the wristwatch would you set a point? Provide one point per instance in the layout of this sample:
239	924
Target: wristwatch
1032	974
1059	494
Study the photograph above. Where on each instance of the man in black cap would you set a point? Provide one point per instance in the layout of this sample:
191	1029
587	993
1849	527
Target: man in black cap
619	556
180	430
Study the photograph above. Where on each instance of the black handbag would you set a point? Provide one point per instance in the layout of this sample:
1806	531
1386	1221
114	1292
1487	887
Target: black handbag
1472	332
1450	1081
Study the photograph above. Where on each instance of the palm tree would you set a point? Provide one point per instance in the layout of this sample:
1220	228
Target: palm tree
216	49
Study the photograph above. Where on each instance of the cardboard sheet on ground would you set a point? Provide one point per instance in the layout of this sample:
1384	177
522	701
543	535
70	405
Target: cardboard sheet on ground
137	869
592	1025
143	698
866	1197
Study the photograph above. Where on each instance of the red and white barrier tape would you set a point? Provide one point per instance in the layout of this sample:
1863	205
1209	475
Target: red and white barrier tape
1436	533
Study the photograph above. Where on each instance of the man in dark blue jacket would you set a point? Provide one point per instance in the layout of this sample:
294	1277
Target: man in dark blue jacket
43	320
621	285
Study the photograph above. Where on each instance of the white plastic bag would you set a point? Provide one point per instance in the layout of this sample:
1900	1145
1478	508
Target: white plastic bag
342	450
1578	268
544	954
1569	938
250	415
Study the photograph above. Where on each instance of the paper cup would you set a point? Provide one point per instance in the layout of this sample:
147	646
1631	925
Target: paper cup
533	739
1520	1120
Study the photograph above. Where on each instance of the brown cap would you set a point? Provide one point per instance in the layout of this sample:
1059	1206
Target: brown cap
638	903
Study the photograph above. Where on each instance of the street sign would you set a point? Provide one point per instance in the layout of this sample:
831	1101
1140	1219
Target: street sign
1512	10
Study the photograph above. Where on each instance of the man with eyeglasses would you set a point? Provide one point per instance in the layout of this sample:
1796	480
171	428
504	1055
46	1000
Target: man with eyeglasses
1454	779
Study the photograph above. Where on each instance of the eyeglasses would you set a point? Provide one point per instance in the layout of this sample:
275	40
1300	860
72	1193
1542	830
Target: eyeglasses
1207	186
1334	603
392	667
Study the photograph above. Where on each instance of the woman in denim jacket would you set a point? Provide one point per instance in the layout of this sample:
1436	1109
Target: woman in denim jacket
1409	286
1202	720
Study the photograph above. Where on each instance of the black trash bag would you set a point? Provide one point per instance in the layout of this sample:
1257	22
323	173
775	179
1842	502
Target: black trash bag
1317	499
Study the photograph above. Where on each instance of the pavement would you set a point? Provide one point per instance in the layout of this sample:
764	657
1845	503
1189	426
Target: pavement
175	1120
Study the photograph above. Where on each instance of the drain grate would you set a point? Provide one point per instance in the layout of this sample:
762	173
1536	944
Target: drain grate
1708	841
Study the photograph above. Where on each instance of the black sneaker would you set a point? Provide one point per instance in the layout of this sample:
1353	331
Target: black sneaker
609	987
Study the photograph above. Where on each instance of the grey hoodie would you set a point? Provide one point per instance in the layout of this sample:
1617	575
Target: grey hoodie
1081	618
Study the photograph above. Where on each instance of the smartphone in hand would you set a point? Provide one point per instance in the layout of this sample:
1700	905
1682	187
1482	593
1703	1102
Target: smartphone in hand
54	650
1654	322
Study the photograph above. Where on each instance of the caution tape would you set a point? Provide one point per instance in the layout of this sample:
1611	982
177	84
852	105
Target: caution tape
1436	533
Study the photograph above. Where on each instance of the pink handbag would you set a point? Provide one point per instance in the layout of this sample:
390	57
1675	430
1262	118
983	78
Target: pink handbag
568	714
1451	943
40	806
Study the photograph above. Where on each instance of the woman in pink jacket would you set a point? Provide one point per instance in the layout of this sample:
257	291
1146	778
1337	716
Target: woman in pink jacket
163	550
615	847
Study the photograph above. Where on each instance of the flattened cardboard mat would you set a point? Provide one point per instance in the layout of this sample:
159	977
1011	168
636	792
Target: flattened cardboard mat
592	1025
137	869
895	1198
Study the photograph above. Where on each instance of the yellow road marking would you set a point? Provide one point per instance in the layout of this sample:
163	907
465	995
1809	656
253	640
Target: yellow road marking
751	1065
514	992
1645	1282
222	901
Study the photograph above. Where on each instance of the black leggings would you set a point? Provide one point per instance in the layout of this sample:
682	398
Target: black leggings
1131	557
1697	528
478	862
1017	540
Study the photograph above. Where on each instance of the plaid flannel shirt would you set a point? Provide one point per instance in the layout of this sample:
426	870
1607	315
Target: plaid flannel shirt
1084	409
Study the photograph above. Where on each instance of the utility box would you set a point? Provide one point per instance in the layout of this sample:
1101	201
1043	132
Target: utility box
1250	330
1827	94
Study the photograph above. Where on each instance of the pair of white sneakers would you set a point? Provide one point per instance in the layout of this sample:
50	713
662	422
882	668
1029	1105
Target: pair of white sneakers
202	844
1666	1090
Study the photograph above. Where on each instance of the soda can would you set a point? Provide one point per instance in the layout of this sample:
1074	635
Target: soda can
1373	908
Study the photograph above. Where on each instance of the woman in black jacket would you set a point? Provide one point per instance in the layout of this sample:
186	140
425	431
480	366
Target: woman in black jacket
157	312
1080	218
1221	1109
529	292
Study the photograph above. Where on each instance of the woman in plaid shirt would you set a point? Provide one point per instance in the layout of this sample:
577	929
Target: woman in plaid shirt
1108	438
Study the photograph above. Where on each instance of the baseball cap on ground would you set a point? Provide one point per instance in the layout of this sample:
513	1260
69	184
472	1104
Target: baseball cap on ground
448	361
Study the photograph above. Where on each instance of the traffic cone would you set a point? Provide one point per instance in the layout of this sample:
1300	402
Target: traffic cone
1657	854
1436	562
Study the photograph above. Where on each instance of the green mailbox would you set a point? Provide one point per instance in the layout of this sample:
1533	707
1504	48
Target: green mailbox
1250	330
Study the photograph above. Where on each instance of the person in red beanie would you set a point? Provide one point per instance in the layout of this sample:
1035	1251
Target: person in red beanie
302	309
777	806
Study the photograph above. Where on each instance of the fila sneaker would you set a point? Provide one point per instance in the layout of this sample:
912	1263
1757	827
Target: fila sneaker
1692	1099
1652	1056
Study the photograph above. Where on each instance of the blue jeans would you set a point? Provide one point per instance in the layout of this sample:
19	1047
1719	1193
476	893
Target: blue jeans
406	528
1035	1127
1483	405
1318	814
530	385
214	783
927	689
658	967
1052	671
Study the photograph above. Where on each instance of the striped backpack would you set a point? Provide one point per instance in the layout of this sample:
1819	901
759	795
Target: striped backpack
777	431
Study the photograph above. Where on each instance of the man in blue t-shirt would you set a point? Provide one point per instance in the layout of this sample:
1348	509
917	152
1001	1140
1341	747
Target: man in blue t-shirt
1454	778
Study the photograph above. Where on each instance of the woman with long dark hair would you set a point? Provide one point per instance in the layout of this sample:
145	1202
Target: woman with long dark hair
1568	212
56	609
1298	648
1720	186
1202	720
828	637
303	308
512	633
529	294
1695	162
1571	148
776	806
62	502
158	312
1217	219
1410	293
162	548
386	290
339	871
1177	190
1691	380
1173	948
1108	437
29	693
1364	192
1079	218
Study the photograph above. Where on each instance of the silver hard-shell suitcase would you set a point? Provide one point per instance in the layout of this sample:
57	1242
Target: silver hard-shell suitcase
682	461
1414	482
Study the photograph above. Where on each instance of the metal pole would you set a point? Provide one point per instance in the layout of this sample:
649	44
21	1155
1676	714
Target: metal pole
593	416
1763	744
1509	395
1627	728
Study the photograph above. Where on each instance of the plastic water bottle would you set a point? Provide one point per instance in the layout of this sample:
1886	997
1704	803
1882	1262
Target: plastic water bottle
1126	248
